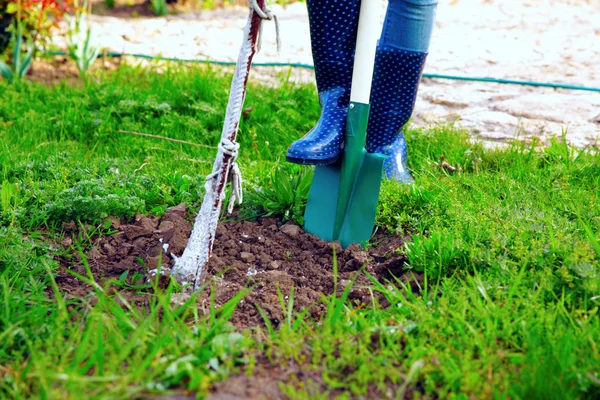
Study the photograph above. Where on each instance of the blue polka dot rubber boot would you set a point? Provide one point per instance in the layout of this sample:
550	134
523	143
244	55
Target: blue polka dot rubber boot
393	94
333	29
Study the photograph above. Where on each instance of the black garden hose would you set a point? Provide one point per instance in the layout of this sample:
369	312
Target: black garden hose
554	85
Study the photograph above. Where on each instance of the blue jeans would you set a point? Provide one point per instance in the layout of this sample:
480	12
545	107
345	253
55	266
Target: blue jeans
409	24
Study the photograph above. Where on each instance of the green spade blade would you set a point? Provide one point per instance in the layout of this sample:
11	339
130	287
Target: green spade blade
343	197
359	219
354	144
319	217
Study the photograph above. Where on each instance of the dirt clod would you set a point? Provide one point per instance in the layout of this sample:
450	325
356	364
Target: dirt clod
291	230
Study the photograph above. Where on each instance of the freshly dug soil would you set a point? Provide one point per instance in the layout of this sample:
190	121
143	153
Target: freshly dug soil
262	255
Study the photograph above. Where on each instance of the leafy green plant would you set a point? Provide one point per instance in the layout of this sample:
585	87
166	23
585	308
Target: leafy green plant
285	195
135	282
91	201
39	18
87	235
83	53
159	7
110	3
20	62
80	48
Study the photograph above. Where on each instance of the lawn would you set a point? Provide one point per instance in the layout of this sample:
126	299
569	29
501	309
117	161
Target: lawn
507	248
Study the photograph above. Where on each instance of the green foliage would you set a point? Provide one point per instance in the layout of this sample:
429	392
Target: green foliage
436	255
38	19
83	53
283	194
91	200
135	282
20	63
159	7
80	48
10	200
139	351
502	209
59	189
110	3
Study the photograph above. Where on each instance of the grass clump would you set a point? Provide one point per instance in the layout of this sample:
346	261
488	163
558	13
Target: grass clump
58	347
501	210
285	197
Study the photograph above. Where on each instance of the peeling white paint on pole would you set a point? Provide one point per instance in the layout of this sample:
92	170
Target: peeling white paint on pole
188	268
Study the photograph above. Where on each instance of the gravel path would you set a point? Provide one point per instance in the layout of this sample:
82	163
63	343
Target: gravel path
539	40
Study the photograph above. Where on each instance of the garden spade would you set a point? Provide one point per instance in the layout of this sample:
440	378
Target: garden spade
342	201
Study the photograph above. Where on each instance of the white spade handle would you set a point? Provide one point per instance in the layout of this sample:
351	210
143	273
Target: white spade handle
369	30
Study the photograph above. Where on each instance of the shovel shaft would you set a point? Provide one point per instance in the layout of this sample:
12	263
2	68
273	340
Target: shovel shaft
369	30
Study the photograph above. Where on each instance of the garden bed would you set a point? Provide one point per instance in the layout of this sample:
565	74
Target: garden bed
264	255
509	241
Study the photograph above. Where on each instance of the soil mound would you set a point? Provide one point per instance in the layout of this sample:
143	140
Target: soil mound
263	255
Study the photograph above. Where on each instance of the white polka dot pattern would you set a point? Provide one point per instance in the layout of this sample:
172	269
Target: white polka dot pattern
393	94
333	28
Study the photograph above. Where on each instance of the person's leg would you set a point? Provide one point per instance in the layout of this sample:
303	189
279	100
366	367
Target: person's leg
409	24
399	63
333	29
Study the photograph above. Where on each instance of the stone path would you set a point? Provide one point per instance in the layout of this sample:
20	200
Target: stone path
538	40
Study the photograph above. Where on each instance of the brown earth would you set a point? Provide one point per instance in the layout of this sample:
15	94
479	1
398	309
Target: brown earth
262	255
266	380
55	70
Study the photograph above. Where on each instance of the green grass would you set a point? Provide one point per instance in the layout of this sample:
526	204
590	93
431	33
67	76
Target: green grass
509	245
